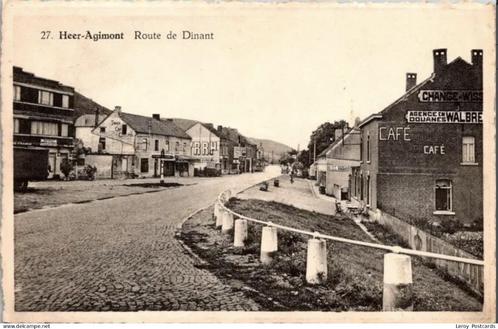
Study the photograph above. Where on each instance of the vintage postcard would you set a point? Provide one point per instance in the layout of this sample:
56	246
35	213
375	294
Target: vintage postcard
248	162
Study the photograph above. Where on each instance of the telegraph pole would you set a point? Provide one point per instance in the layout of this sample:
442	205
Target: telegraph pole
314	150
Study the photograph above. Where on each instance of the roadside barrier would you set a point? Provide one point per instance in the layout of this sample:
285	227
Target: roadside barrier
398	279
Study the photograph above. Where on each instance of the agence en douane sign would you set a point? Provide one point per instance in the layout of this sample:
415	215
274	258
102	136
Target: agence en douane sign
444	116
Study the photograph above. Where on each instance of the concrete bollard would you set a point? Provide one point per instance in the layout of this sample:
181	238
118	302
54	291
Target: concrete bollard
240	233
228	195
227	224
316	262
216	209
219	214
269	244
398	284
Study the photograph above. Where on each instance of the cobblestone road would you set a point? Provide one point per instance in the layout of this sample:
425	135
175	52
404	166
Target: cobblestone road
120	254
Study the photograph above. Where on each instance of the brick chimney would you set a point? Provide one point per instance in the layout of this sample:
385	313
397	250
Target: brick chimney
220	128
117	109
411	80
338	133
156	116
439	59
477	58
96	123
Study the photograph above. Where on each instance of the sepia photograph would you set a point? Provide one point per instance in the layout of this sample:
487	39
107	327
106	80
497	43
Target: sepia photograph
248	162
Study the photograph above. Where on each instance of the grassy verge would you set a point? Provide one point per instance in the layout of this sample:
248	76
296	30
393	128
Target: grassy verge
36	198
354	281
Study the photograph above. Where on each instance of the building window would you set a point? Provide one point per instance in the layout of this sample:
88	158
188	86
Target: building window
167	146
45	97
156	145
64	129
468	149
102	143
16	126
368	148
184	147
17	93
124	129
102	130
443	195
205	148
144	144
144	165
65	101
177	146
44	128
368	190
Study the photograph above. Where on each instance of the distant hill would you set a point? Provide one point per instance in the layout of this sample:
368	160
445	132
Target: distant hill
269	146
85	105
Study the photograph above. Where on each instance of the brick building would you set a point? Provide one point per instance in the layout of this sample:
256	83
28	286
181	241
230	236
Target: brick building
421	157
43	116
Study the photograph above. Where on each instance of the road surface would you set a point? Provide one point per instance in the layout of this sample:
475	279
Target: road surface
120	254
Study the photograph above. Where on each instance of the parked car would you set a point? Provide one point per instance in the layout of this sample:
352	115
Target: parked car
29	164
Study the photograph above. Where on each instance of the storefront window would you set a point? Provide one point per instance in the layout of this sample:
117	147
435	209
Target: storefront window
16	126
443	195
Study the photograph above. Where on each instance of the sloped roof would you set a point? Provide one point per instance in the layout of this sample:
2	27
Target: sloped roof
143	124
337	141
84	105
184	124
456	61
88	120
244	140
230	133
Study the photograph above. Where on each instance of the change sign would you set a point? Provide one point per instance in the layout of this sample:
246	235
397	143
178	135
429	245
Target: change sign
449	96
444	117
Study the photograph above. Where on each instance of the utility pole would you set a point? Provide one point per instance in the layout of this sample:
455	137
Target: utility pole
314	150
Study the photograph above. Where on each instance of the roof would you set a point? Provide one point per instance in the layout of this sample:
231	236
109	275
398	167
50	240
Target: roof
338	141
411	91
230	133
22	76
88	120
244	140
184	124
84	105
149	125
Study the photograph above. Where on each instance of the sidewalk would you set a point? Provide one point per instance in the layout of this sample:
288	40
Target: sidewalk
299	194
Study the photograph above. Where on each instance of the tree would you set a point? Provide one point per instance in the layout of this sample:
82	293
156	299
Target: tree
304	157
66	167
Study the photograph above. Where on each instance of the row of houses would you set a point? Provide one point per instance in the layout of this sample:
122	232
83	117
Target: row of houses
420	158
121	144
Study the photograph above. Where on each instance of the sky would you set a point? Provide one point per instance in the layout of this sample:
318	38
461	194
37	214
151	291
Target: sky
272	71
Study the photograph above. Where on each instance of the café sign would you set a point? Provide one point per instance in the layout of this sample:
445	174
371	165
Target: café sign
450	96
444	117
